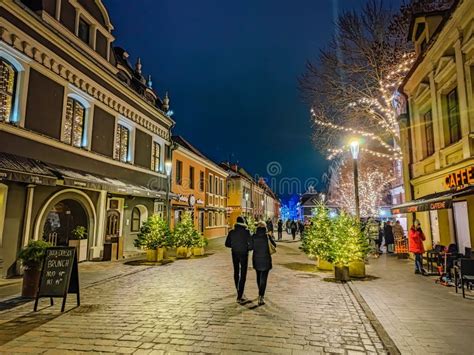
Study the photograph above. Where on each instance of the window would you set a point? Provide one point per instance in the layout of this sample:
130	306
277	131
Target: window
122	143
222	188
156	156
201	181
179	172
453	116
135	220
211	219
216	187
210	184
191	177
74	123
429	137
8	77
83	31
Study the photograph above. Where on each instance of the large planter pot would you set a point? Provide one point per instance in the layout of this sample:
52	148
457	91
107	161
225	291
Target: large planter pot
357	269
151	255
183	252
160	252
324	265
170	252
81	248
198	251
30	282
341	273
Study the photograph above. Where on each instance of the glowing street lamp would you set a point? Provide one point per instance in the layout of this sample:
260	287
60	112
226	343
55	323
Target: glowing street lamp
168	166
355	145
246	195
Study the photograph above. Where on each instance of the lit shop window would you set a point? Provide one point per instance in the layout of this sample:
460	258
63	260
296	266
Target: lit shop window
122	143
74	123
7	89
155	159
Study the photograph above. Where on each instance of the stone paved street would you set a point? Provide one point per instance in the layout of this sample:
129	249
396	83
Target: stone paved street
189	306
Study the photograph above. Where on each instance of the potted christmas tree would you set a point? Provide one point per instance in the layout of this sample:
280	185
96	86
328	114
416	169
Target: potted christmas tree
184	233
251	224
319	237
153	236
78	240
199	243
31	258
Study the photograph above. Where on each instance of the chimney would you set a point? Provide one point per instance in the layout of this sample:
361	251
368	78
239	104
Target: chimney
234	167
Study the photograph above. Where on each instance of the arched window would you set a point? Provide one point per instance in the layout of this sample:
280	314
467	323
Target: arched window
8	78
74	123
135	220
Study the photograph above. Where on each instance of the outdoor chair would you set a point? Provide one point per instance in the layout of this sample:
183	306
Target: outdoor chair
465	272
432	256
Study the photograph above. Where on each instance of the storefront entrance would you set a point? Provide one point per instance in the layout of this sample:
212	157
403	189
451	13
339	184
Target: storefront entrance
62	220
461	219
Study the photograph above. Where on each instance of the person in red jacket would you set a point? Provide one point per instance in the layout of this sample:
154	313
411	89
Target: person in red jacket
416	238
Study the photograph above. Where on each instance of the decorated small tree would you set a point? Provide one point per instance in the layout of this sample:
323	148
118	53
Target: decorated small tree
251	224
319	235
153	233
184	232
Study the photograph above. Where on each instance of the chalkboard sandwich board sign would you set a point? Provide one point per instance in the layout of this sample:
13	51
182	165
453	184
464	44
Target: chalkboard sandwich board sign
59	275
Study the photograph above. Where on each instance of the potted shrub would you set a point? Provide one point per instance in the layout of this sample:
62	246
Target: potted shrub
31	258
318	238
153	237
199	243
184	233
78	239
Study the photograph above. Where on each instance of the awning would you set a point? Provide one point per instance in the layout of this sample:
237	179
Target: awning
20	169
84	180
436	201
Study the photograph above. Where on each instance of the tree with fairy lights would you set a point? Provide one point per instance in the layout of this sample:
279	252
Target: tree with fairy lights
352	85
374	185
319	234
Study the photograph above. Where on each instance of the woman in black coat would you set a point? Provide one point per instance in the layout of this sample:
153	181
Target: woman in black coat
262	259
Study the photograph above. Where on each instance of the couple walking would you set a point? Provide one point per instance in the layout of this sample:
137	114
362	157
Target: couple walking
241	242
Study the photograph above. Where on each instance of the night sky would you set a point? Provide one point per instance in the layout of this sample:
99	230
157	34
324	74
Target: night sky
231	69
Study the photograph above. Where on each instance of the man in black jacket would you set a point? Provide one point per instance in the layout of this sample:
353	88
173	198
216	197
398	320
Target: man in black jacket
239	240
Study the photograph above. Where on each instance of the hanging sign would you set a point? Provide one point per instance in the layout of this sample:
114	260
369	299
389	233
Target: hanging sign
459	179
59	275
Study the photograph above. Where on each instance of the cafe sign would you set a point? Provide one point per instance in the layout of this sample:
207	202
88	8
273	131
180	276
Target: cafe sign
459	179
424	206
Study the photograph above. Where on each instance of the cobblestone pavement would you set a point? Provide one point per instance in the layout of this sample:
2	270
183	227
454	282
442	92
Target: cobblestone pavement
189	306
420	316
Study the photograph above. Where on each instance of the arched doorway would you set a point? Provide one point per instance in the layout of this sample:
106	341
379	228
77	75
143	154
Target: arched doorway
62	219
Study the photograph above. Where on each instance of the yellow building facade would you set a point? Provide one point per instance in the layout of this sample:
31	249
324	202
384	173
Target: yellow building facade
437	136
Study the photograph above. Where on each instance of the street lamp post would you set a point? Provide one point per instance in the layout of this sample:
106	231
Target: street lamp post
168	166
355	155
246	202
263	208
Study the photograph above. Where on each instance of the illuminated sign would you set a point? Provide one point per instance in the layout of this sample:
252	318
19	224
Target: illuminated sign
423	206
460	178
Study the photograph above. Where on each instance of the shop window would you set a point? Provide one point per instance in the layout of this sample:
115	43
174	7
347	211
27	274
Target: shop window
156	157
429	136
191	177
74	123
122	143
201	181
83	31
136	218
179	172
8	78
453	116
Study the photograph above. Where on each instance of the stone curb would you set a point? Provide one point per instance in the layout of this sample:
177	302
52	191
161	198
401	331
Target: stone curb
379	329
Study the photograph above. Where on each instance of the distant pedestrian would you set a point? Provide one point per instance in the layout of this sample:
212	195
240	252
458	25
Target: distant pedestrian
372	232
301	228
398	232
270	226
288	226
388	236
293	228
239	240
416	238
280	229
262	259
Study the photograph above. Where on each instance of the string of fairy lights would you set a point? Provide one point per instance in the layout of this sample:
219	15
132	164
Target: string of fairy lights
380	109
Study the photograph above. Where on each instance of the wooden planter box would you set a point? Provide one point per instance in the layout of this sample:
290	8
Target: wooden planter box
151	255
160	254
198	251
341	273
170	253
81	248
183	252
357	269
324	265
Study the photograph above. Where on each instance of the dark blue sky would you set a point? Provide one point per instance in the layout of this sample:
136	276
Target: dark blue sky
231	69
